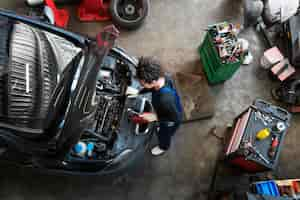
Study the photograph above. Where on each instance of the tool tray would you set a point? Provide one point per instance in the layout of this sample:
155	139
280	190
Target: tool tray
247	133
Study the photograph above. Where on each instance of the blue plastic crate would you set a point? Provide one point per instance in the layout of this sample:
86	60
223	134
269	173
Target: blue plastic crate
267	188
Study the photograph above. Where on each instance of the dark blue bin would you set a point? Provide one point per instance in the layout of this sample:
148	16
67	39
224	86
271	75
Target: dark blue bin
267	188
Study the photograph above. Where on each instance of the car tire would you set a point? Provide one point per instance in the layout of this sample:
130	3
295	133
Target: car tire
124	21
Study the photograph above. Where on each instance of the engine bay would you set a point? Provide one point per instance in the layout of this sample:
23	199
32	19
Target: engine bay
101	139
65	105
97	142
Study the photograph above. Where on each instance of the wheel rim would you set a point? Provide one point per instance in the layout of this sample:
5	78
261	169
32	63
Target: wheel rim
130	10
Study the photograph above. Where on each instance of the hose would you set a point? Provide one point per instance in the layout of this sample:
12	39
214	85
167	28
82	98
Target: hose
291	95
100	137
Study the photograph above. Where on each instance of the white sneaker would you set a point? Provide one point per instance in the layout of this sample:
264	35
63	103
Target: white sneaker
156	151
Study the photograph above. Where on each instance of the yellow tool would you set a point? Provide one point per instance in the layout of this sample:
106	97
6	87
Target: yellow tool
262	134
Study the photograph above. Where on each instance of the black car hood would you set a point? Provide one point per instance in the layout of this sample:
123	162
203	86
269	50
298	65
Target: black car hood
76	39
79	93
72	104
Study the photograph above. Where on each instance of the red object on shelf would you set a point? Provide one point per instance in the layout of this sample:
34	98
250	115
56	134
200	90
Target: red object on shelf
283	70
61	15
94	10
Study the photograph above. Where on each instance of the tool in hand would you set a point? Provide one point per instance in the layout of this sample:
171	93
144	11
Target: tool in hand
132	112
141	118
134	116
131	91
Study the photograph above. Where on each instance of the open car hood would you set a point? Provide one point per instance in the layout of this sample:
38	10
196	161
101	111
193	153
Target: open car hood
72	103
81	105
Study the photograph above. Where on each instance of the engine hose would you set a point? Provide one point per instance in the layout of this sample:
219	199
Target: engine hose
291	95
100	137
294	85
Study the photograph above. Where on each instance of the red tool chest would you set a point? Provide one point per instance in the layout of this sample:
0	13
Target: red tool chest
244	150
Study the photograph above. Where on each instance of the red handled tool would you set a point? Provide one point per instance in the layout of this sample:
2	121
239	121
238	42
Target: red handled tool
137	118
274	145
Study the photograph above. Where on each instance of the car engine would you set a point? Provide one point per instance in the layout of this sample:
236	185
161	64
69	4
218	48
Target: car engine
34	60
113	79
66	105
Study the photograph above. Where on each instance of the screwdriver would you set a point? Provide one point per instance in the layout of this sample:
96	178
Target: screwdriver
274	145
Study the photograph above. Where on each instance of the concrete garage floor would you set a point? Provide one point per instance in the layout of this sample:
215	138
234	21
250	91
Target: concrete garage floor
172	33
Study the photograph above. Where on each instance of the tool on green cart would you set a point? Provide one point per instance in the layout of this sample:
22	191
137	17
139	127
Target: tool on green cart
225	38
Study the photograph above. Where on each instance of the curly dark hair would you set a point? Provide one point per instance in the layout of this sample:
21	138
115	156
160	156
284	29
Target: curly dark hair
148	69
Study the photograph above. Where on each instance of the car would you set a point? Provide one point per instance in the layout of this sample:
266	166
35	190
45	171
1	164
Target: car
64	101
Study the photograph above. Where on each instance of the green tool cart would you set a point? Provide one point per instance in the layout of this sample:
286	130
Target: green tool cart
216	70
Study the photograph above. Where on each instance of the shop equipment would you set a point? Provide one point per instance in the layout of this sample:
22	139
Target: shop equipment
94	10
281	15
126	14
221	53
248	153
50	13
289	188
61	16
